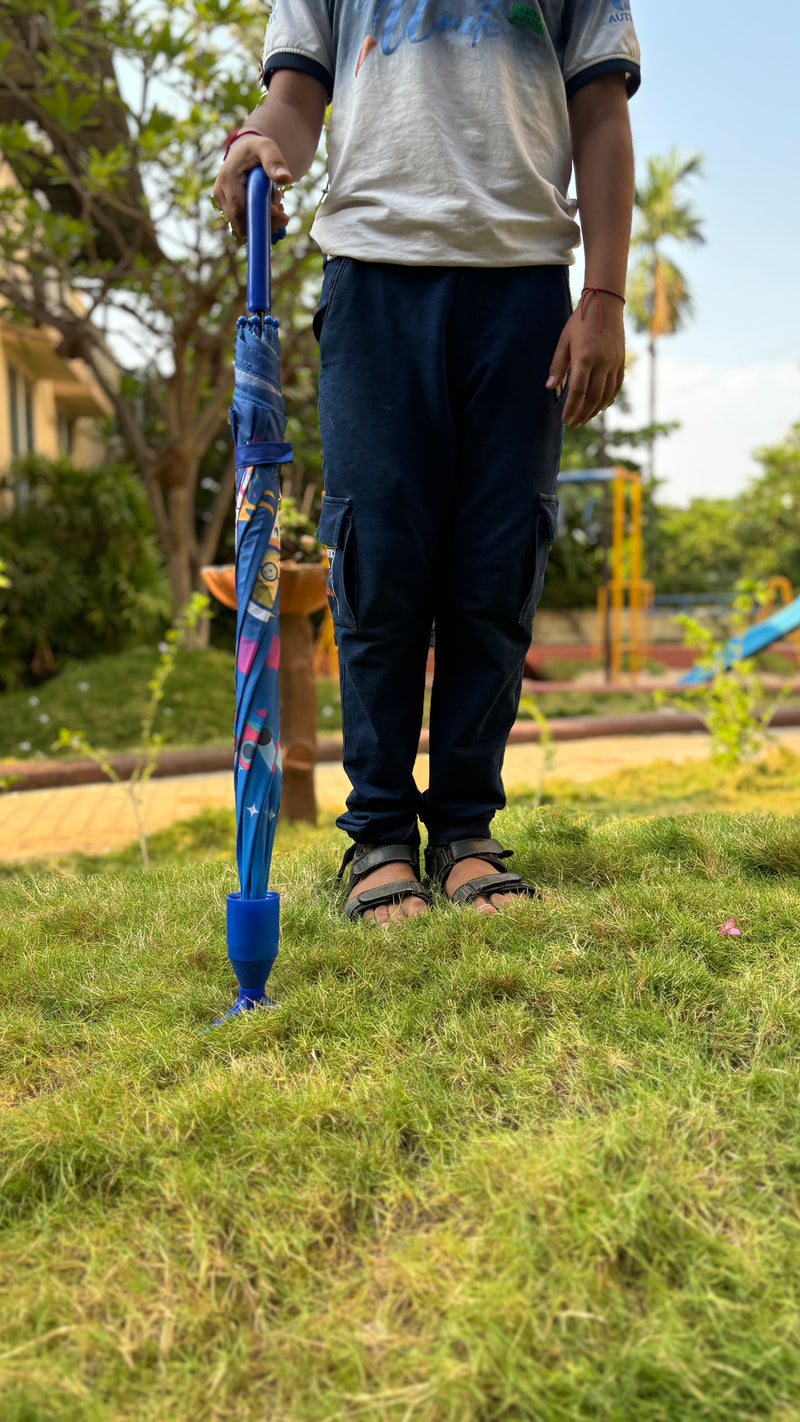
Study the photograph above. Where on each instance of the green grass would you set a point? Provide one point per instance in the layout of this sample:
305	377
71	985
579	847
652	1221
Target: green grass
106	697
197	708
566	668
206	838
696	787
588	703
541	1166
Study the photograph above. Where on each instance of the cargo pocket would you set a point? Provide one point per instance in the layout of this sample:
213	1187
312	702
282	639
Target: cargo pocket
544	534
335	530
330	280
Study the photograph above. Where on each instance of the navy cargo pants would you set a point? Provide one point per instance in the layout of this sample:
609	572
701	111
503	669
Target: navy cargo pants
440	454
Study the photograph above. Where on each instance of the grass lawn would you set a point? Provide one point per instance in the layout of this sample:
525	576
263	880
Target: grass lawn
696	787
105	698
542	1166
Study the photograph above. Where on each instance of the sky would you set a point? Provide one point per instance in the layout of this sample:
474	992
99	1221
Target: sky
720	78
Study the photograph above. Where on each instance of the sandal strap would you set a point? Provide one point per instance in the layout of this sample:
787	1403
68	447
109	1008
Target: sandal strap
362	861
386	894
492	884
439	859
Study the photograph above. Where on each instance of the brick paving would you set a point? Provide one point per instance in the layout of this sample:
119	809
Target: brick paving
93	818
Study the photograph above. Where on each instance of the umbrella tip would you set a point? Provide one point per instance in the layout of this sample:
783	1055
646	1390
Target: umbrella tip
245	1002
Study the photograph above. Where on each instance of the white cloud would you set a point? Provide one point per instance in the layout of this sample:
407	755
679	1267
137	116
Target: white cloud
725	414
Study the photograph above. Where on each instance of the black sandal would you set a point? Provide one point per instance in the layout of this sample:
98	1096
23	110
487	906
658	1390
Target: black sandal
439	860
362	861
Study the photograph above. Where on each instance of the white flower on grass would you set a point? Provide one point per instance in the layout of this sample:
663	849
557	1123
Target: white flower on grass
168	711
163	648
33	701
23	745
83	686
326	711
44	718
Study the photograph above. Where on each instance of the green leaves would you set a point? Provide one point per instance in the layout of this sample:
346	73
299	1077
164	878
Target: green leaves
123	112
84	570
658	294
731	702
68	110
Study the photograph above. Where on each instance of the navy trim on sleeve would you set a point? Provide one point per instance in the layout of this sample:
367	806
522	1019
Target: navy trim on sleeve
301	62
606	66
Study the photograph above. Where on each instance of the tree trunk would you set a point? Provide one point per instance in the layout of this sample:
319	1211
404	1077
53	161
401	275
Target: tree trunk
183	563
298	718
651	473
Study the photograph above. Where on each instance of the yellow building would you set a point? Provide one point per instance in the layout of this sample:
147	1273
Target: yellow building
49	404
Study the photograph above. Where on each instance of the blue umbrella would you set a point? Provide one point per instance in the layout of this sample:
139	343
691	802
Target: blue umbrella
258	422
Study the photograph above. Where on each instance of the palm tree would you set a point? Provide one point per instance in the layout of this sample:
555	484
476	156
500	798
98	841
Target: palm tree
659	298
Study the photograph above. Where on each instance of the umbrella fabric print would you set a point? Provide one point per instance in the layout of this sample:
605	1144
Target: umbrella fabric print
258	423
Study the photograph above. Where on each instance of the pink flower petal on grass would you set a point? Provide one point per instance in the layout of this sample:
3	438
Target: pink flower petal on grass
729	930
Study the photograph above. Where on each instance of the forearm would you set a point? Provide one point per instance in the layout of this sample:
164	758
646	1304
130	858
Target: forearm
603	157
287	128
295	132
592	345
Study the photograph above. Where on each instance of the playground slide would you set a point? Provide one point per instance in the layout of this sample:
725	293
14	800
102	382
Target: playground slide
755	639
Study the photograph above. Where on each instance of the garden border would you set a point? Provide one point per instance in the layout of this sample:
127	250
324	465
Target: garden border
43	775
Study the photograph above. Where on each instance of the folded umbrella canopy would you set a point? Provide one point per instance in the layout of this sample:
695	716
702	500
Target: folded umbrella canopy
258	422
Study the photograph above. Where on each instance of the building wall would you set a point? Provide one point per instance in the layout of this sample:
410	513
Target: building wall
56	427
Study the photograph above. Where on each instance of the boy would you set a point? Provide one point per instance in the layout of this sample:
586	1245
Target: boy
446	338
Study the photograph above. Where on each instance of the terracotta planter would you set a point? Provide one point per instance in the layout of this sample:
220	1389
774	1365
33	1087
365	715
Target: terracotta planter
221	582
302	586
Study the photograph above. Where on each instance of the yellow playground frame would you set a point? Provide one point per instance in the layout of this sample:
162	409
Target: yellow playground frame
626	586
623	589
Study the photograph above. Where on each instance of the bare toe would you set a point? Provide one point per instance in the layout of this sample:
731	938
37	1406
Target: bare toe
484	905
500	899
413	906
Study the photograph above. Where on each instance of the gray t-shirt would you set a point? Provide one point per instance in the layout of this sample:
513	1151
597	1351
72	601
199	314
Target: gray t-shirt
449	141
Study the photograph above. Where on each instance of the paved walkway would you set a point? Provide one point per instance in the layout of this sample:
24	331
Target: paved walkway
94	818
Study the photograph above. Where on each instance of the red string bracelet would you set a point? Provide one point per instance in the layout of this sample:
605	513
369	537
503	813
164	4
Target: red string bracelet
238	133
597	291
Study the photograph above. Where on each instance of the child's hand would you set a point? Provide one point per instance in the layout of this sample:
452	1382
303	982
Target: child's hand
230	189
593	359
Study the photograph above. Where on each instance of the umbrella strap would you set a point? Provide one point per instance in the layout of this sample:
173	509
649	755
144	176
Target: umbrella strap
263	452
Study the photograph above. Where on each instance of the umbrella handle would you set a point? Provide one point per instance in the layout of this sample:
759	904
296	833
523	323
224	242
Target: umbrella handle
259	274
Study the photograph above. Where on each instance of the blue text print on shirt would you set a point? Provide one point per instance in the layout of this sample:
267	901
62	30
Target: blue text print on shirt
392	23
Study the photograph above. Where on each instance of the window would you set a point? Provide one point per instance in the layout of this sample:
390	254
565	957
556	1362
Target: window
66	433
20	398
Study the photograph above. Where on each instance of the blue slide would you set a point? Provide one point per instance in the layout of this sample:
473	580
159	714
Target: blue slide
755	639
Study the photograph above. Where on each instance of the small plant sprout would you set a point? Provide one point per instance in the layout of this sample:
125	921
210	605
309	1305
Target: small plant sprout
150	741
546	744
732	702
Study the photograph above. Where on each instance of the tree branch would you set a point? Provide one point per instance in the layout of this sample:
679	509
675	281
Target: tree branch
219	512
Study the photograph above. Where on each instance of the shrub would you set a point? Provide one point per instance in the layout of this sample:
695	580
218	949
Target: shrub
83	566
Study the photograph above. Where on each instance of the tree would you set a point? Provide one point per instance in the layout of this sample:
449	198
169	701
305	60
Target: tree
85	573
114	121
578	560
769	513
697	549
659	298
